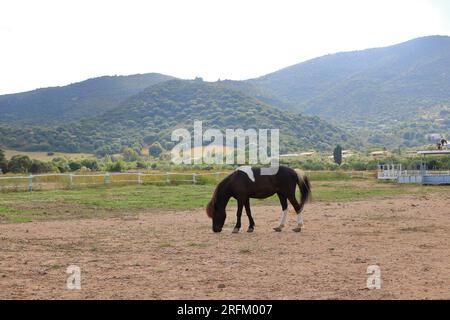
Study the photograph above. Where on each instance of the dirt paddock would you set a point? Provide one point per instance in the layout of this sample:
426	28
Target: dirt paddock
175	255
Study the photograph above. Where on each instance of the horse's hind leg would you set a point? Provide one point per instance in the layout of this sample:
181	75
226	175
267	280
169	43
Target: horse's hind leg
251	226
298	209
284	207
238	215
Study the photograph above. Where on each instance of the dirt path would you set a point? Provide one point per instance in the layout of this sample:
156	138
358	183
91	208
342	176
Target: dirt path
172	255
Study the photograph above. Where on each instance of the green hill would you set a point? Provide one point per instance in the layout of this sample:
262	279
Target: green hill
391	91
152	114
387	97
75	101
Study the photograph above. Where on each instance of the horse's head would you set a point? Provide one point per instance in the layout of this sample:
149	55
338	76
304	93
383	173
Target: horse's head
217	215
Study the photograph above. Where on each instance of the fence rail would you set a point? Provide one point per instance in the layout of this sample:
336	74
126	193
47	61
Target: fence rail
61	181
71	180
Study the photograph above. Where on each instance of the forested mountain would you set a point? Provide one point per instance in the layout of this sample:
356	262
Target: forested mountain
396	94
152	114
258	92
75	101
388	97
397	80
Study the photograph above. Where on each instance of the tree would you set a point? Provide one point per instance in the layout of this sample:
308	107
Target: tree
150	138
3	162
155	149
337	155
20	164
130	155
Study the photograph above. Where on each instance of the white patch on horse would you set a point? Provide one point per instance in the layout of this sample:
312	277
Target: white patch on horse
299	220
283	218
248	170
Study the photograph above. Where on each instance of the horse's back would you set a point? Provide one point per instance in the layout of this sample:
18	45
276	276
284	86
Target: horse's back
263	185
283	174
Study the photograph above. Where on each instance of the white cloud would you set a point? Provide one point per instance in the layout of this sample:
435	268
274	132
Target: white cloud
51	42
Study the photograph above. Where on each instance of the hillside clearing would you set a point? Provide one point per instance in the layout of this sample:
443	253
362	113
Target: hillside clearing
44	156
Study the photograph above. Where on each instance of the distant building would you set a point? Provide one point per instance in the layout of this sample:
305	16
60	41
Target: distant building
289	155
302	154
347	153
307	154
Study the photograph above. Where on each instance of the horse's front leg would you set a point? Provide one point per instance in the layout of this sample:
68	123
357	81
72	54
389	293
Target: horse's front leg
238	215
251	226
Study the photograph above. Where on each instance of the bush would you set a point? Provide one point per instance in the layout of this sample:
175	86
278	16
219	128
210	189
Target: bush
38	166
61	164
118	166
91	164
74	166
141	165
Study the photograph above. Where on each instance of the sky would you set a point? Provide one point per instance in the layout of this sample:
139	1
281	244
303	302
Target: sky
56	42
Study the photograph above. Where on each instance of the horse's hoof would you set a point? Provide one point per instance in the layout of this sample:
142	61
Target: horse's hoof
236	230
297	229
277	229
250	230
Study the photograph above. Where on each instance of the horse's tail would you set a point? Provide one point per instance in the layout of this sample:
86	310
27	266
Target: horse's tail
305	187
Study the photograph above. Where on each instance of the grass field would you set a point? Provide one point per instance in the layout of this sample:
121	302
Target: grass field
130	200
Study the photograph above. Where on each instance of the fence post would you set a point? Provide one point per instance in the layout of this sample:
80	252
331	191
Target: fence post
106	179
30	183
194	180
139	178
70	180
167	178
217	176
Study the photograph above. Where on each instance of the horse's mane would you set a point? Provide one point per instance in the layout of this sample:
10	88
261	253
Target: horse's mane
212	202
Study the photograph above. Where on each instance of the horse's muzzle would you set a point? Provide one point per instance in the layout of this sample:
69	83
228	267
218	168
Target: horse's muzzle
217	229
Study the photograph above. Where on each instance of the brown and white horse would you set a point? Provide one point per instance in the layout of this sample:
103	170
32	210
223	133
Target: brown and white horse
246	183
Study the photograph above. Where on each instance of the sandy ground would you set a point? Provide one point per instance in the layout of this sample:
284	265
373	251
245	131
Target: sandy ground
175	255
